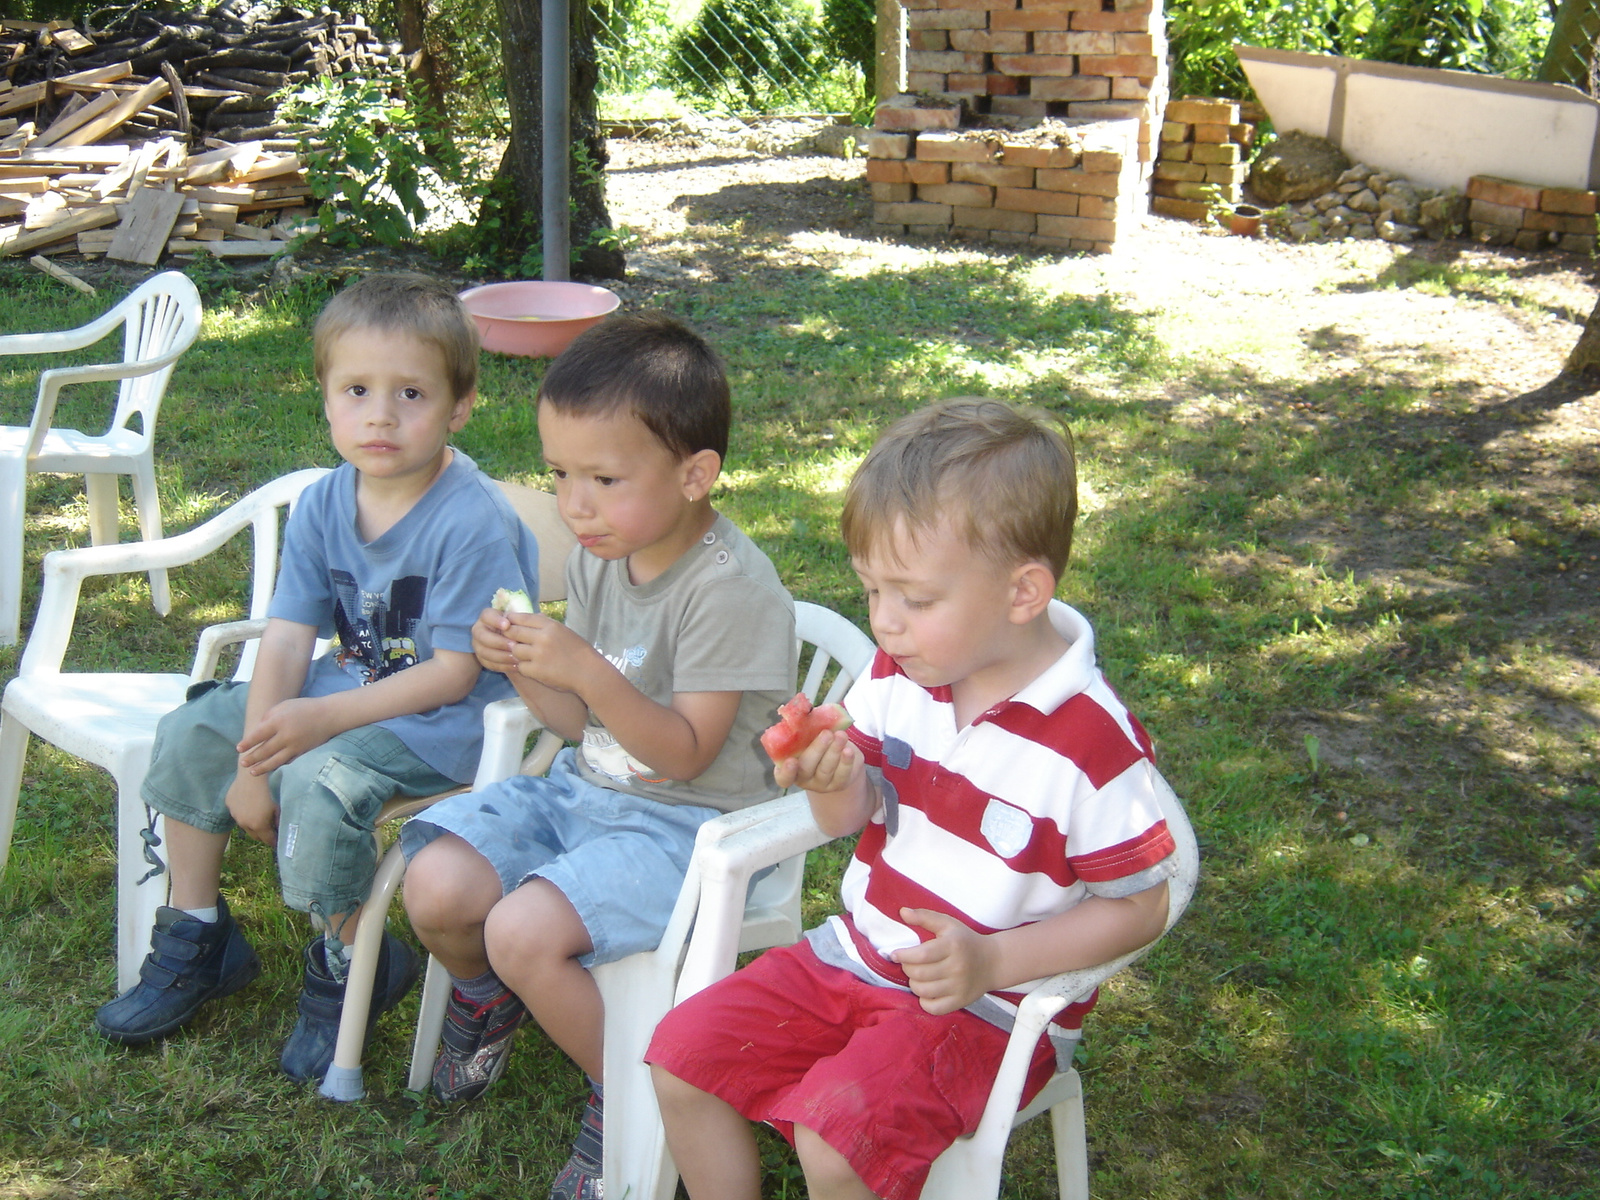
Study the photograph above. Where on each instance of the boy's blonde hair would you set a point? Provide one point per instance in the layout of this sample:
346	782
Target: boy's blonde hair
406	302
1005	478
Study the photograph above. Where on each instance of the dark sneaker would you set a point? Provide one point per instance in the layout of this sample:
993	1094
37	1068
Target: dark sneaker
476	1045
189	963
582	1177
309	1051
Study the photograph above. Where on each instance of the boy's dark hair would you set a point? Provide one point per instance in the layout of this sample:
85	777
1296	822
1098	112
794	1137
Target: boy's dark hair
1005	478
653	367
410	303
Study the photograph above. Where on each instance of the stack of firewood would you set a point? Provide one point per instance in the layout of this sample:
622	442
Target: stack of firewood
221	67
158	134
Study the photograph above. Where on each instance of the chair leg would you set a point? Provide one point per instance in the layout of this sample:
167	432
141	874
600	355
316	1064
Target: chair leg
137	897
13	752
13	495
101	490
1072	1148
148	505
637	991
343	1080
430	1025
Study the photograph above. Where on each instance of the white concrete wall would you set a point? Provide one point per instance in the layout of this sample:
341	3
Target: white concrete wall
1437	127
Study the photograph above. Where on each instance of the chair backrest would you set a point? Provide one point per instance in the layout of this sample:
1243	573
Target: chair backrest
539	513
161	317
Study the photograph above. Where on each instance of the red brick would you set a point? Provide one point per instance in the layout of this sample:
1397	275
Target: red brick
931	82
1078	227
994	218
887	170
887	145
1035	64
1488	212
1076	87
922	171
1215	134
1568	200
1184	210
1208	152
1074	43
945	147
1047	20
1177	151
978	4
1101	161
1229	176
893	193
1100	207
1503	191
1181	189
1064	6
927	39
1105	109
1038	156
1117	22
911	214
1019	106
1139	66
1212	112
986	41
1134	43
1033	200
944	62
893	117
1195	172
993	176
947	18
1559	222
968	195
1124	88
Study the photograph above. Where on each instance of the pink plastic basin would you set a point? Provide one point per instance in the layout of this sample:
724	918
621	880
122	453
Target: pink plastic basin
533	317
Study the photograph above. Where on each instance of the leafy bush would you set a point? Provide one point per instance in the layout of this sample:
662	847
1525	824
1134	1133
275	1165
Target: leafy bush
850	33
763	51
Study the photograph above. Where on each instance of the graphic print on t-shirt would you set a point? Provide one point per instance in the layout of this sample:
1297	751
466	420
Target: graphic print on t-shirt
374	636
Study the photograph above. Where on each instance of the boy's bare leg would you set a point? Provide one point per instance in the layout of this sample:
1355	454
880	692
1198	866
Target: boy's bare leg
449	890
828	1175
194	858
534	938
713	1145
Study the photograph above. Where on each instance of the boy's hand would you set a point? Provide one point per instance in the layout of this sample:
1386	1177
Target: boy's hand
547	652
288	730
250	803
829	764
950	971
491	643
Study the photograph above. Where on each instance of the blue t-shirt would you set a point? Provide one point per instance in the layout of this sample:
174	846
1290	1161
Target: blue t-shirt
393	601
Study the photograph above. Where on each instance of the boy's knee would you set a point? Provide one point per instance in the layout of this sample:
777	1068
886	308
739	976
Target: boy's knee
445	883
828	1173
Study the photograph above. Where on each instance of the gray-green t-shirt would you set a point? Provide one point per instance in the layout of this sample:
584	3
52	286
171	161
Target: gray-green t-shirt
717	620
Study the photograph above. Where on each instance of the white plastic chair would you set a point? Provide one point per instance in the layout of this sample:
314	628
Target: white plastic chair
506	726
969	1169
109	718
638	990
160	320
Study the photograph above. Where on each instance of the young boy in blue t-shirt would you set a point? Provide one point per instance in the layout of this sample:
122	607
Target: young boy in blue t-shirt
392	553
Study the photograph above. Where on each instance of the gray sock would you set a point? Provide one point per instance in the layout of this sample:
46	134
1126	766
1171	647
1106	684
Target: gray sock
480	989
208	915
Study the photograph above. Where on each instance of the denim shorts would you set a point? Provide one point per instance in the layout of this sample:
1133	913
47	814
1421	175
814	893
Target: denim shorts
619	859
328	798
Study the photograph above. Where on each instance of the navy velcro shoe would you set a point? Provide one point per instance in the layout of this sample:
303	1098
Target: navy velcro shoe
309	1051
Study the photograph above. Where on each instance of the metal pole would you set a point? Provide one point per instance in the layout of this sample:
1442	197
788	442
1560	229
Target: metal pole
556	127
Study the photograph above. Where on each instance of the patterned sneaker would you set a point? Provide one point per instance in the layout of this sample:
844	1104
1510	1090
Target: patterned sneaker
582	1177
476	1045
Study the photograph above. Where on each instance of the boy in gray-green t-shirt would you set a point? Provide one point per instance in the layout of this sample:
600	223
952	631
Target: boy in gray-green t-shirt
677	647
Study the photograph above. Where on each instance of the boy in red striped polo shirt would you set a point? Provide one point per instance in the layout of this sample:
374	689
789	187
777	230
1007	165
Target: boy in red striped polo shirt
1010	830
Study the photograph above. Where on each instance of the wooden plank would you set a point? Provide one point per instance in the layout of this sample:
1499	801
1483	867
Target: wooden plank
109	73
223	195
24	97
93	218
17	185
251	233
267	168
71	41
12	208
227	249
65	276
17	139
143	160
115	179
77	156
66	123
125	108
145	229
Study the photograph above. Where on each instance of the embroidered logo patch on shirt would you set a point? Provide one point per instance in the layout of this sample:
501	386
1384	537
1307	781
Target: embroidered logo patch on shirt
1006	827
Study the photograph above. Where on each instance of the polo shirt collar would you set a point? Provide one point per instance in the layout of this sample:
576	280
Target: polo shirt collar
1070	674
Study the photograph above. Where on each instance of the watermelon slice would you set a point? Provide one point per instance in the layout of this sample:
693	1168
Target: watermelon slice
799	724
508	601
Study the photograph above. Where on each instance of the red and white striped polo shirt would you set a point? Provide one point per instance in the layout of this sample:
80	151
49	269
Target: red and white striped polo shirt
1043	800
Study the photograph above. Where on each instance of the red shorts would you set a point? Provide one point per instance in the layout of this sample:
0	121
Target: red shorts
792	1041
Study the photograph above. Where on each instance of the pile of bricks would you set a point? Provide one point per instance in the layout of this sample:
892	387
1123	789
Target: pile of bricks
1200	157
1056	185
1504	212
1061	99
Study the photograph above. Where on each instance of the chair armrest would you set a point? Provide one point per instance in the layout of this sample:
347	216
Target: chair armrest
65	570
63	339
728	851
213	638
52	381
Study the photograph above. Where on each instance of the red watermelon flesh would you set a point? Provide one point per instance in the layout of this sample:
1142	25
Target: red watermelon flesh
799	724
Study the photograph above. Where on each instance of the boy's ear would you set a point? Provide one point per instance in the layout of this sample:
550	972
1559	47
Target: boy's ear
1033	586
461	410
698	472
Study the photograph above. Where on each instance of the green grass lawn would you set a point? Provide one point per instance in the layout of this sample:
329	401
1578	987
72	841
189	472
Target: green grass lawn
1363	639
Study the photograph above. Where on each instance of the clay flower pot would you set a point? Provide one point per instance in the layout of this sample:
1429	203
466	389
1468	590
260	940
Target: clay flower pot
1244	220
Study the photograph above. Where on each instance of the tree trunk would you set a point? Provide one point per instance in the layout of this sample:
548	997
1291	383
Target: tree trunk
419	52
1585	356
517	189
